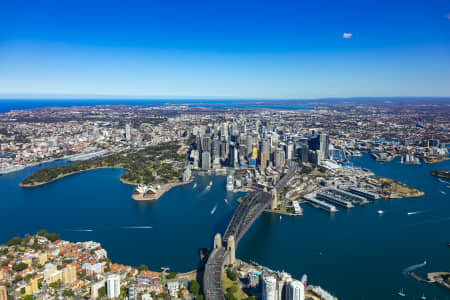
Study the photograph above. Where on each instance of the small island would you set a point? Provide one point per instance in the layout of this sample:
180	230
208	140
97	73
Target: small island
157	167
443	174
397	189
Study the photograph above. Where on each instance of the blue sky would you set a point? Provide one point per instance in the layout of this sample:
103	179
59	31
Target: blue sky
237	49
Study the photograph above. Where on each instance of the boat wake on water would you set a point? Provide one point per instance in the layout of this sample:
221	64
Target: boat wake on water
81	230
443	193
443	181
136	227
415	212
409	269
214	209
205	191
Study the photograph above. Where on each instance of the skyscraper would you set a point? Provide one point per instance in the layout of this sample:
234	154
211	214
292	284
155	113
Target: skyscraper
113	286
206	160
233	156
269	287
279	158
296	291
324	145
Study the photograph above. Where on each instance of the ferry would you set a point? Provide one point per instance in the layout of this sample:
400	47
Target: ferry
401	293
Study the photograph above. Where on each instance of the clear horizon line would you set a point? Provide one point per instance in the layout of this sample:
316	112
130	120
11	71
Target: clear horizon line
50	96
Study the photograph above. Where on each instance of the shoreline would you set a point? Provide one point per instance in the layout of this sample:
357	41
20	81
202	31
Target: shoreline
137	197
36	184
397	189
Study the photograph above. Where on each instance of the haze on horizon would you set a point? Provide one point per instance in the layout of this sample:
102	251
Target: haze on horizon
233	49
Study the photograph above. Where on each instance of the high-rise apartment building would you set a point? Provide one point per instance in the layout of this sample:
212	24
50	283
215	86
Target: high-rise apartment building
269	287
113	286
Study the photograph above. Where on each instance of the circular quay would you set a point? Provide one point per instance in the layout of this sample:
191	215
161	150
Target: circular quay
211	150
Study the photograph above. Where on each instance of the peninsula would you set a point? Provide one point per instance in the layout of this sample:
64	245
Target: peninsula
159	165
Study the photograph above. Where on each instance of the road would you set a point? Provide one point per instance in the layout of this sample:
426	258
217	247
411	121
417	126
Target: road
251	207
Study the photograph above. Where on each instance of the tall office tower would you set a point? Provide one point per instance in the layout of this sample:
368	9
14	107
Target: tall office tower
269	287
198	142
290	151
206	143
324	145
224	131
249	144
206	160
263	160
254	151
257	126
265	147
223	149
234	129
113	286
128	132
215	149
295	291
232	155
279	158
314	143
304	153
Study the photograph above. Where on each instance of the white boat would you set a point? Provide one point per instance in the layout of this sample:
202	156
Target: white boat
195	185
401	293
210	183
226	200
280	218
380	212
213	210
423	297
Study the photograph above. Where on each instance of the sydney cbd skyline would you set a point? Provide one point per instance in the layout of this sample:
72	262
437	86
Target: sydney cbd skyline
251	49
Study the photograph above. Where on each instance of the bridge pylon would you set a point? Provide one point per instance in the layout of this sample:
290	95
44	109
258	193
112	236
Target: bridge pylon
217	241
231	247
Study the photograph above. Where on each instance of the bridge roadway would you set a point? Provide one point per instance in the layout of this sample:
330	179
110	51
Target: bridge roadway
251	207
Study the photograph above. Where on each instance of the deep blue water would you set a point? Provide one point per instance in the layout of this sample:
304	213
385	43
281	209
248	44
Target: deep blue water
181	220
363	254
7	105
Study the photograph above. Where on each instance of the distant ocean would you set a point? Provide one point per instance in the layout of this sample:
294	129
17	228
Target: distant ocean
7	105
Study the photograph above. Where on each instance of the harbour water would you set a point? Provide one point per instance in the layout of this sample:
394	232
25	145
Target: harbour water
356	254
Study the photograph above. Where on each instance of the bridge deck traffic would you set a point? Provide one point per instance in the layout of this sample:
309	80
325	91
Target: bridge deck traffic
251	207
